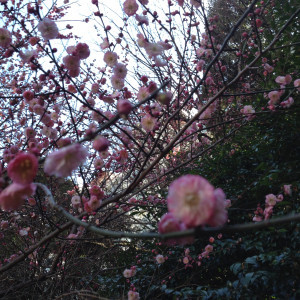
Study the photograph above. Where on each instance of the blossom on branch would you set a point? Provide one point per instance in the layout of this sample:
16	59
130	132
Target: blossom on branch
130	7
148	123
110	58
192	200
48	29
62	162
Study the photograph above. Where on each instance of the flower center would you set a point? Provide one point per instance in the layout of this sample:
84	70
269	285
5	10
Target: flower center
191	199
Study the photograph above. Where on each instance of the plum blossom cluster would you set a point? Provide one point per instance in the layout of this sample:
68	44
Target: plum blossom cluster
129	272
274	96
249	111
189	260
154	50
22	170
270	202
75	55
133	295
193	201
90	204
118	77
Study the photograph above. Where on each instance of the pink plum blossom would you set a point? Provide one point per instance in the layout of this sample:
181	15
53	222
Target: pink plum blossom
279	198
71	49
12	197
191	199
98	163
5	38
268	212
297	84
130	7
122	157
48	29
28	95
23	231
160	259
274	97
287	189
120	70
72	62
104	44
110	58
96	191
268	68
117	82
31	201
23	168
93	204
200	64
62	162
271	199
154	49
76	201
248	110
200	51
185	260
129	272
209	248
74	72
164	98
132	295
82	50
143	93
284	80
287	103
148	123
141	41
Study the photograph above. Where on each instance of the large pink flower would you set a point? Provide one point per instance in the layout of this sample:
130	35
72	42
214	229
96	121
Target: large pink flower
48	29
82	50
23	168
148	122
130	7
191	199
12	197
110	58
62	162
